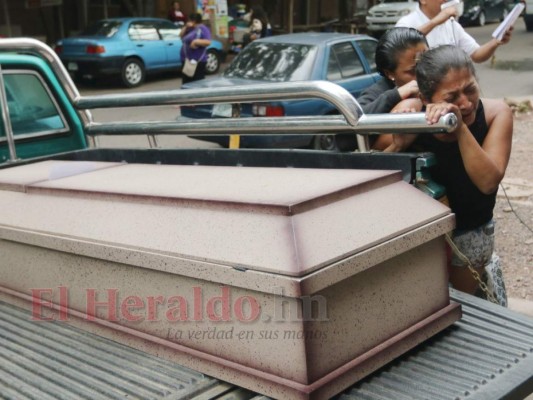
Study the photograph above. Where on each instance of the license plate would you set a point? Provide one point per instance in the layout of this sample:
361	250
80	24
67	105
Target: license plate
222	110
72	66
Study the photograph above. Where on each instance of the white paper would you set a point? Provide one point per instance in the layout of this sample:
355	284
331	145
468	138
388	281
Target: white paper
508	21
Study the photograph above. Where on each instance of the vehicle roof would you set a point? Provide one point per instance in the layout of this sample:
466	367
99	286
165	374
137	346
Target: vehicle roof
313	38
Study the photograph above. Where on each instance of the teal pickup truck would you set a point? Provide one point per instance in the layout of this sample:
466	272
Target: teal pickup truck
227	273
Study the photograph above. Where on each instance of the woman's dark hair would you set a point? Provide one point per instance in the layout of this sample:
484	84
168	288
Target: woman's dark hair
260	14
434	64
392	43
196	18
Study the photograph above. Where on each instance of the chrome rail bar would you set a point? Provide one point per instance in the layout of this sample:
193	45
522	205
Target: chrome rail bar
367	125
352	119
328	91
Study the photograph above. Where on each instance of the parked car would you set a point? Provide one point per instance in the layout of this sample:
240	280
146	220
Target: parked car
129	48
479	12
384	15
345	59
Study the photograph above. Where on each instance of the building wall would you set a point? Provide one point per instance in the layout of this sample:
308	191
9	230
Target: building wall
51	23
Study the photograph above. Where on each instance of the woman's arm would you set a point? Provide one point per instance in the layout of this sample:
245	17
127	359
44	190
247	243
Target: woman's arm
200	43
485	164
379	98
400	142
203	38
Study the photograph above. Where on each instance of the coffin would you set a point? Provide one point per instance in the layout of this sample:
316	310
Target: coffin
294	283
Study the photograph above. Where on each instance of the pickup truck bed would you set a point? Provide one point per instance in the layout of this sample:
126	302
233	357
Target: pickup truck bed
488	354
405	162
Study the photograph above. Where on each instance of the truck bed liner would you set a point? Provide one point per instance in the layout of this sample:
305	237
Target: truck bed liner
488	354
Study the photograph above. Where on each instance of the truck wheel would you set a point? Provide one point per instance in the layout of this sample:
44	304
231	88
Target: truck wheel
325	142
213	62
132	73
481	19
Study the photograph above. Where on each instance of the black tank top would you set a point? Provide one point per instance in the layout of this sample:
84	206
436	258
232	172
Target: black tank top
472	208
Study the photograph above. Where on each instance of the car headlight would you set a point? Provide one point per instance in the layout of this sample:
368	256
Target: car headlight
401	13
475	9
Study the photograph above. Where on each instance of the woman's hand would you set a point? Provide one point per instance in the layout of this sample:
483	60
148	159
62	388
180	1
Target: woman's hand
410	89
434	111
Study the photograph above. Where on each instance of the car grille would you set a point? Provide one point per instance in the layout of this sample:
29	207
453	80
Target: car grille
382	14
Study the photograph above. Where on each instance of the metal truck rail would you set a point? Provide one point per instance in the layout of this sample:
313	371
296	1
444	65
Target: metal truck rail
351	120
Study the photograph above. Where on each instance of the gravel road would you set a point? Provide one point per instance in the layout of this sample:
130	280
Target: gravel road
514	241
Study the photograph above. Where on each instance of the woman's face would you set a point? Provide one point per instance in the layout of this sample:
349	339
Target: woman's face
406	63
459	87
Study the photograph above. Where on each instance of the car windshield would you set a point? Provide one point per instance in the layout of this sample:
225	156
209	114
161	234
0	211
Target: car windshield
102	28
275	62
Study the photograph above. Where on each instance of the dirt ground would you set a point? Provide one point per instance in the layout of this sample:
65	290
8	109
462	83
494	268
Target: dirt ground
514	241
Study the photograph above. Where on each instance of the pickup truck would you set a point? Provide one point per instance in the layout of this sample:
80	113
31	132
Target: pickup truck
80	223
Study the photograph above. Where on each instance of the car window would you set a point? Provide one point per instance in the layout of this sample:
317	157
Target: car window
334	71
102	28
168	31
347	60
32	109
368	47
142	30
273	62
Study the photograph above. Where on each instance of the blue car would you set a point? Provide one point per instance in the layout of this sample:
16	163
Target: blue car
129	48
347	60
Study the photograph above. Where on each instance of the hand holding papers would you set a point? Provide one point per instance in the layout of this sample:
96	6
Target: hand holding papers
459	6
508	21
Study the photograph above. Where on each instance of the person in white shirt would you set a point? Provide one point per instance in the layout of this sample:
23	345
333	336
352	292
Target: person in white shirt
440	27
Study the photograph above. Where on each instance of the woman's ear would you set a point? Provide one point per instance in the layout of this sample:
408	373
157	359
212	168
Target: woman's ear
389	75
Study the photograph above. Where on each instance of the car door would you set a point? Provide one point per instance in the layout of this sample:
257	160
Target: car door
346	68
170	35
147	44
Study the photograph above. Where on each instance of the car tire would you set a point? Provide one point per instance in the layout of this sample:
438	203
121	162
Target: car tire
529	23
213	62
133	73
481	19
343	142
325	142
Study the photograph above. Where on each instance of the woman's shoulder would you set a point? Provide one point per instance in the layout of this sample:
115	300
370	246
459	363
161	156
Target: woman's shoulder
494	108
